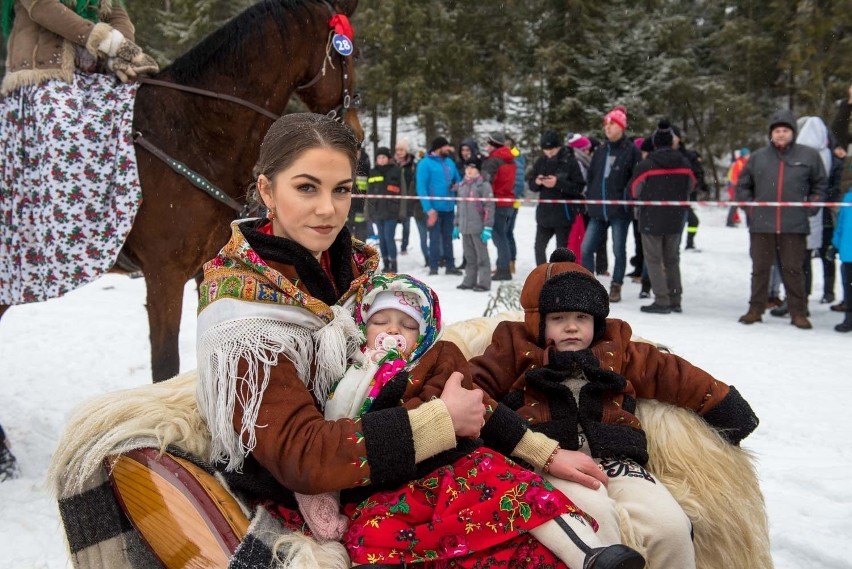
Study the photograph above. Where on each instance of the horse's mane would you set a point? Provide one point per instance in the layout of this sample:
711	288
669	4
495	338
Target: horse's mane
224	49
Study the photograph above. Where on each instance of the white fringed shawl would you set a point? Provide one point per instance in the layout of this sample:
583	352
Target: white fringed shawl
230	330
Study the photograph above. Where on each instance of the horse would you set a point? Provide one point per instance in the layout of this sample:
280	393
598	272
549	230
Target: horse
209	110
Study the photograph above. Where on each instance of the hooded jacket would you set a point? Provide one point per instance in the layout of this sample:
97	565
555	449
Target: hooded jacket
664	175
435	177
794	174
500	169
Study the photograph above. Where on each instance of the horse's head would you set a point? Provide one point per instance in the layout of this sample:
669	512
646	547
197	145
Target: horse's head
331	87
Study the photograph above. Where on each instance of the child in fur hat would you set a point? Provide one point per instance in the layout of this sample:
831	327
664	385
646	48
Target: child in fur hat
575	375
403	361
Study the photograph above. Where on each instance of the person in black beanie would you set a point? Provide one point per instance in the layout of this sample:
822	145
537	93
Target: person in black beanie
575	375
665	175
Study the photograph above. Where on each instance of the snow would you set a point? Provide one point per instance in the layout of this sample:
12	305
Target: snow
57	354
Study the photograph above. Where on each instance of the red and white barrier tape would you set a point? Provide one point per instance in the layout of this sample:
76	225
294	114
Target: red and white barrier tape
618	202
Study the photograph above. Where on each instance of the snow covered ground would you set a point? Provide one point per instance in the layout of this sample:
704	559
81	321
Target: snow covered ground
56	354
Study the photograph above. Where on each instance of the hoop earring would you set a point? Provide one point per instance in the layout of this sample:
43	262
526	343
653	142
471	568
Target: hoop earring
270	215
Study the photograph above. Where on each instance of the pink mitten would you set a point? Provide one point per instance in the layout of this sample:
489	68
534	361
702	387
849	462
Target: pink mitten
322	512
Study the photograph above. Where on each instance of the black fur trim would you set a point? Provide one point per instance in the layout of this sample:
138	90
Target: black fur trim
255	484
391	394
514	400
733	417
288	252
504	430
390	446
570	361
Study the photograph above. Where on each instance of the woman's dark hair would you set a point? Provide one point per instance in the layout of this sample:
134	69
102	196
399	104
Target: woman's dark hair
293	134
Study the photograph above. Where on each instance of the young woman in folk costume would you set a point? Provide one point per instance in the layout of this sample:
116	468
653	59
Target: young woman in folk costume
67	112
275	331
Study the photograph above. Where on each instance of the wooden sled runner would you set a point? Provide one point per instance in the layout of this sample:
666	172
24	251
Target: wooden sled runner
188	519
183	513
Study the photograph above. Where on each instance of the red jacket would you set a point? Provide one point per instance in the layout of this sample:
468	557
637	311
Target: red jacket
500	169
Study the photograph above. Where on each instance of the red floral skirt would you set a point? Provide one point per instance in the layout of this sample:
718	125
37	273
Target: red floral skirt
473	513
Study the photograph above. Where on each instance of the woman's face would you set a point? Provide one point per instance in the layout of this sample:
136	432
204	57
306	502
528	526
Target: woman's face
310	198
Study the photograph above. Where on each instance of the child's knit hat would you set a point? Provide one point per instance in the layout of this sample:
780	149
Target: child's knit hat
563	286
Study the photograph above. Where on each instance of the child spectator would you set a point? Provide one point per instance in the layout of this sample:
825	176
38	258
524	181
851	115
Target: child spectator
474	223
462	489
574	375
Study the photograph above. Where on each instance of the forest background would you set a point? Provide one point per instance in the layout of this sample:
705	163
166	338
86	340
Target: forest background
717	69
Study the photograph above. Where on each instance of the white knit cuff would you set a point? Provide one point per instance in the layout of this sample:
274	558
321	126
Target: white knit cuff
432	428
535	448
109	45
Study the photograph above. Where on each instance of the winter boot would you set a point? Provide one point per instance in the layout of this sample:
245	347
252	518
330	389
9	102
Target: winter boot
800	321
846	325
501	275
656	308
512	267
608	557
690	241
839	307
751	317
391	266
8	464
781	310
385	265
615	292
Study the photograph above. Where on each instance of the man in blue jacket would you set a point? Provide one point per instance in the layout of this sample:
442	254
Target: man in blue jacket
782	171
437	177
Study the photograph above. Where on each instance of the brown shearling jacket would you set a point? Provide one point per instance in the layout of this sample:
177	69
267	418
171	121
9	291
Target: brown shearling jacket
45	38
650	374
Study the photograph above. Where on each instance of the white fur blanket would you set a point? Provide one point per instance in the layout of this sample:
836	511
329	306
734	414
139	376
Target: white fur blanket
715	482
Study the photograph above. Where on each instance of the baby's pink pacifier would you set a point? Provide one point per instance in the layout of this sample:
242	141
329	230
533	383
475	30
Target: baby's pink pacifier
385	342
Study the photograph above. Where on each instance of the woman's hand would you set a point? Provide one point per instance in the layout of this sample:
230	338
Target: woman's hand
464	405
577	467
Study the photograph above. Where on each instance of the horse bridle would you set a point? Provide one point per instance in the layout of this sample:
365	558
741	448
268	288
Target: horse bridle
347	101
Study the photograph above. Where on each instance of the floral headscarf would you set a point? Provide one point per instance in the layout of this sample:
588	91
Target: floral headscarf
352	392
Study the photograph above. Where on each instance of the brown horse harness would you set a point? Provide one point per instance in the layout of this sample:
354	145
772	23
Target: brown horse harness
244	210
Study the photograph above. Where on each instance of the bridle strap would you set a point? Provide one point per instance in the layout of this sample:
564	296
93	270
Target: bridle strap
212	94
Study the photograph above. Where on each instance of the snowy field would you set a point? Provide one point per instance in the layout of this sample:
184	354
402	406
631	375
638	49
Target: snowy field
56	354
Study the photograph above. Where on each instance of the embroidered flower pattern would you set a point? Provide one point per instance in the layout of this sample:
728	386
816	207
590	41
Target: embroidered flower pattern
481	503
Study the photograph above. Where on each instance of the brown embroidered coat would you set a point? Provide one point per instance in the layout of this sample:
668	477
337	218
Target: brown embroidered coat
649	372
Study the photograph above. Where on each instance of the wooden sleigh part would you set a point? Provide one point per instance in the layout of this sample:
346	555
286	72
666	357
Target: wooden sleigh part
184	515
189	519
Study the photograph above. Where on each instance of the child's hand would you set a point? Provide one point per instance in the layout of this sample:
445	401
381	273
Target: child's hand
575	466
465	406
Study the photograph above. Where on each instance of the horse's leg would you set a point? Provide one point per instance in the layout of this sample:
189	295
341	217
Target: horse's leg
164	304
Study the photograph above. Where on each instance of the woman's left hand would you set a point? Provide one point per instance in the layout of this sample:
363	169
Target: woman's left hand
465	406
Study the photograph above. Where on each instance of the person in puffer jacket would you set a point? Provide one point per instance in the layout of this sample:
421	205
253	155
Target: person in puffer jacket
782	171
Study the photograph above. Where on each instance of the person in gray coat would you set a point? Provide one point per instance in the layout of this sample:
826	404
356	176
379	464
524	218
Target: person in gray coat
782	171
474	224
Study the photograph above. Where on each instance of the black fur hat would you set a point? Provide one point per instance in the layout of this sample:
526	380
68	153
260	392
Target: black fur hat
574	291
